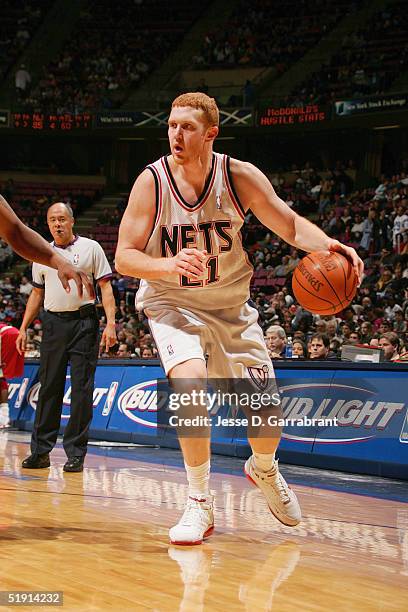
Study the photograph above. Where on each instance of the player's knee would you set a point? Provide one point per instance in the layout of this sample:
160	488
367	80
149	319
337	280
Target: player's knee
192	369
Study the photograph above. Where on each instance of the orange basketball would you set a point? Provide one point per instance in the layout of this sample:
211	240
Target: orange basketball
324	282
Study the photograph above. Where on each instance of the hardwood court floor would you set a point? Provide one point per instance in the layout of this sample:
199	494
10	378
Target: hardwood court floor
101	538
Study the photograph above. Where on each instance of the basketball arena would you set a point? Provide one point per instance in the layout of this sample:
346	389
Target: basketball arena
204	305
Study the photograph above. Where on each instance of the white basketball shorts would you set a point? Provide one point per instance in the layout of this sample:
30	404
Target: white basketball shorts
230	339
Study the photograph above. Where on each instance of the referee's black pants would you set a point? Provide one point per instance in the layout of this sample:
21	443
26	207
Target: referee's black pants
66	340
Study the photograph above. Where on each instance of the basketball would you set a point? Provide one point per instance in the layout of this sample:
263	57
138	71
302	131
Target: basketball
324	282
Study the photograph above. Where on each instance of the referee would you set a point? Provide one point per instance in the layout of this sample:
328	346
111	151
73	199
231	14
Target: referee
70	334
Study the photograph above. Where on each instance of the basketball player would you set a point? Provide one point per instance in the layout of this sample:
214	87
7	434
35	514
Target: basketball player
180	234
33	247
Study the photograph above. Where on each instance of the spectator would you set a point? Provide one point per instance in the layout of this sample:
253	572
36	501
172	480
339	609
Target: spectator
366	331
147	353
389	343
400	228
400	325
276	341
354	338
319	347
123	351
25	287
22	81
299	349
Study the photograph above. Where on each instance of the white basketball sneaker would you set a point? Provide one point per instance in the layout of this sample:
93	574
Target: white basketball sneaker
196	523
281	499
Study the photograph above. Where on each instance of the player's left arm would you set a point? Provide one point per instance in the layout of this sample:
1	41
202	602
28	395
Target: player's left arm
108	302
256	193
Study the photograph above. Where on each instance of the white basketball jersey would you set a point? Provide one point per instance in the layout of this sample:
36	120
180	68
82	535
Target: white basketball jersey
213	224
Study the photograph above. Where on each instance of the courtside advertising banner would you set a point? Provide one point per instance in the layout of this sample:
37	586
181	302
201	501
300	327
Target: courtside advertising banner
18	390
358	415
107	382
135	409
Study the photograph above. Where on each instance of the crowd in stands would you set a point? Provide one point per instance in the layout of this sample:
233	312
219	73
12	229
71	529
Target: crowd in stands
19	21
270	33
30	199
114	48
367	63
373	220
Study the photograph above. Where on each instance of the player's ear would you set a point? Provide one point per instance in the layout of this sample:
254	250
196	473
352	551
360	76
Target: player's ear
212	132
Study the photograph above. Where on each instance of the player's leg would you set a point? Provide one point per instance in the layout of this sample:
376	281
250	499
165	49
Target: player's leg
4	407
247	353
197	521
180	339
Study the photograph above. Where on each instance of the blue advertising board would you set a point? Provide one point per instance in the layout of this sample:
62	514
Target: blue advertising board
135	410
107	383
337	416
18	390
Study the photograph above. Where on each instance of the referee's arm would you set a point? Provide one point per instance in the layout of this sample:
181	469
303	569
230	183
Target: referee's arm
108	302
34	303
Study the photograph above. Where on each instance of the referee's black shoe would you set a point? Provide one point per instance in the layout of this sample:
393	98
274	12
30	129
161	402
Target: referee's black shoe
74	464
36	462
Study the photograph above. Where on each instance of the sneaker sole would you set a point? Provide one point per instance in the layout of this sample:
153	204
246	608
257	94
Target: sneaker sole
184	543
270	509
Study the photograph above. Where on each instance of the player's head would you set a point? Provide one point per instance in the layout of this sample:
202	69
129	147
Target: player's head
193	126
60	219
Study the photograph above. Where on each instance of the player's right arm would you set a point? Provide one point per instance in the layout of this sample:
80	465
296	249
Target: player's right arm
34	304
134	232
30	245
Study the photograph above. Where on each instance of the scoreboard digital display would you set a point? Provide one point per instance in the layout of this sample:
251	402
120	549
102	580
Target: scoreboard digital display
65	122
292	115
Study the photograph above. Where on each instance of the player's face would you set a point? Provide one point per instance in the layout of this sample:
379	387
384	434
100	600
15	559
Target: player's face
60	223
318	350
189	134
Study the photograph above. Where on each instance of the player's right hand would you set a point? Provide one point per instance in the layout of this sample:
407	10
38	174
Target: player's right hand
21	341
67	272
188	262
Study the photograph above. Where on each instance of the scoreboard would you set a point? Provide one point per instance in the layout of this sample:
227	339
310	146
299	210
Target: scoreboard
65	122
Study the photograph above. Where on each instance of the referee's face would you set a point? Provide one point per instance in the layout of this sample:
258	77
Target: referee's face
60	223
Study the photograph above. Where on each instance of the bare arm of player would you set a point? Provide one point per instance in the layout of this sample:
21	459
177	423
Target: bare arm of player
256	193
30	245
33	306
108	302
134	232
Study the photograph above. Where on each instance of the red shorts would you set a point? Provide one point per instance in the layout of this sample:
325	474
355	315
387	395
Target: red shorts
12	362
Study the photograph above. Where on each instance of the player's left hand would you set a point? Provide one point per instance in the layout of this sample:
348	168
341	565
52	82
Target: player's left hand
108	337
351	254
67	272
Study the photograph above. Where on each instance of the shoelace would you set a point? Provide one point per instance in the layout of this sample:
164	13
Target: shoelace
278	483
194	509
281	486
